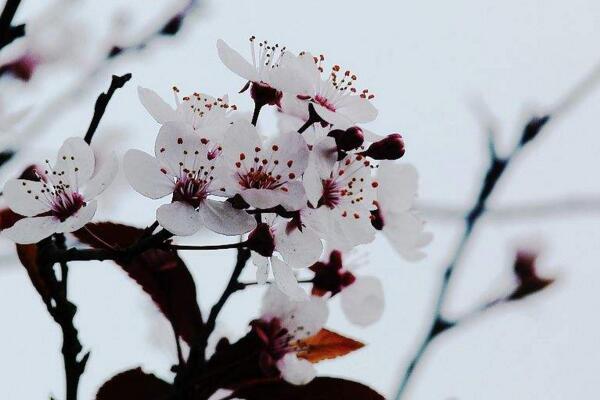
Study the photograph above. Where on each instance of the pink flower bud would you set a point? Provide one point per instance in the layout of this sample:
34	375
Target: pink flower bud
389	148
350	139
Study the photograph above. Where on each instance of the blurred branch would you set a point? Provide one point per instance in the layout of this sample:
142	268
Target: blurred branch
508	213
8	32
495	170
101	103
40	123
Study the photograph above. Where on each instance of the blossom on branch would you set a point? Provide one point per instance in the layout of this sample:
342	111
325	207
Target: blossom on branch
184	167
62	199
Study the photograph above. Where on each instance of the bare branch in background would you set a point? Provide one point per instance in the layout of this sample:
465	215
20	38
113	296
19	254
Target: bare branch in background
59	104
567	205
495	170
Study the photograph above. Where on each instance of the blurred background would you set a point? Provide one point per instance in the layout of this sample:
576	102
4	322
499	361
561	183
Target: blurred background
442	73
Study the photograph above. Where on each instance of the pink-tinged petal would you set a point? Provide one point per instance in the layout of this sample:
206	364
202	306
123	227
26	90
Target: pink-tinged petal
104	176
179	218
299	249
309	69
406	233
357	109
262	268
156	106
294	198
296	371
398	184
32	230
290	76
20	196
235	62
286	280
144	174
324	155
76	160
313	184
336	119
262	198
221	217
363	302
79	219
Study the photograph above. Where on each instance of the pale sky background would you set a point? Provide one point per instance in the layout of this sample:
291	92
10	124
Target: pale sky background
426	62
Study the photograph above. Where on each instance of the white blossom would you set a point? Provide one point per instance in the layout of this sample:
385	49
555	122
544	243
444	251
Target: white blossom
184	166
63	199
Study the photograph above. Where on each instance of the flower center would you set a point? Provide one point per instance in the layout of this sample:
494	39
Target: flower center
258	179
324	102
332	193
65	204
191	190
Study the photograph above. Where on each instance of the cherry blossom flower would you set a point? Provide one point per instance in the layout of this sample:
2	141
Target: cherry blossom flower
334	98
283	323
394	215
208	116
265	174
295	249
361	296
268	75
62	200
184	166
343	194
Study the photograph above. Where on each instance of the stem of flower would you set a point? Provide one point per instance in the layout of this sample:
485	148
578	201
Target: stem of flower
207	247
313	118
257	108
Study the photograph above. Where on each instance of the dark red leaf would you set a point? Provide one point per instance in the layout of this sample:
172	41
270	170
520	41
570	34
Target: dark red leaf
322	388
28	256
134	384
162	274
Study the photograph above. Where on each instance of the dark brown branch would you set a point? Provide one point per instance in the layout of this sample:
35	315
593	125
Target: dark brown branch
117	82
63	312
206	247
8	32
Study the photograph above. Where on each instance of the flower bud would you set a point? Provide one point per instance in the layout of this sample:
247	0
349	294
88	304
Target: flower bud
350	139
331	277
261	240
529	281
263	94
389	148
377	218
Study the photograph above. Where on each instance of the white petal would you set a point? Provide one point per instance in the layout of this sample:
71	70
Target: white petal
286	281
306	317
292	147
275	304
32	230
324	155
406	233
262	268
76	159
337	119
144	174
357	109
363	301
262	198
173	139
179	218
235	62
221	217
20	201
241	137
80	218
298	249
397	186
294	198
313	184
103	177
156	106
296	371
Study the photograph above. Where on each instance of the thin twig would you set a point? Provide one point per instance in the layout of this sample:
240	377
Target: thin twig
494	172
206	247
117	82
8	32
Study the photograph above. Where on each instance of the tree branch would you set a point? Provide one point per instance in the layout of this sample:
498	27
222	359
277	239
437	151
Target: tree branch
8	32
117	82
